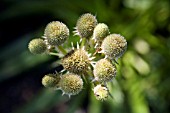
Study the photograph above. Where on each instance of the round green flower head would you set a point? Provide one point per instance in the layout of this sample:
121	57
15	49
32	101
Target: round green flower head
77	61
37	46
56	33
114	46
85	25
104	70
71	84
51	81
100	32
101	92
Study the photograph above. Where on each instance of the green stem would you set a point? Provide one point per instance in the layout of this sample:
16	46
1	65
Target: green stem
115	61
62	50
90	73
83	42
55	54
85	79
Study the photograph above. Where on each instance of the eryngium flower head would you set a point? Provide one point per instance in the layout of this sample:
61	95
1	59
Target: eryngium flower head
56	33
104	70
71	84
51	81
100	32
101	92
37	46
114	46
77	61
85	25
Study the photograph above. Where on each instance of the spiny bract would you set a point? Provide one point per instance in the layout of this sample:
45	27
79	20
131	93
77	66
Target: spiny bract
77	61
51	81
85	25
71	84
101	92
104	70
56	33
114	46
37	46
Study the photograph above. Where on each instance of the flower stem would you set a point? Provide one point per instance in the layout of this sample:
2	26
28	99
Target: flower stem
90	73
83	42
62	50
85	79
54	54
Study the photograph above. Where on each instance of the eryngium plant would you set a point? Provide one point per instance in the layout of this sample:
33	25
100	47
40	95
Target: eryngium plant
94	61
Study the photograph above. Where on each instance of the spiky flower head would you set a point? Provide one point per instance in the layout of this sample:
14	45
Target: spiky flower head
101	92
37	46
104	70
71	84
85	25
114	46
56	33
51	81
77	61
100	32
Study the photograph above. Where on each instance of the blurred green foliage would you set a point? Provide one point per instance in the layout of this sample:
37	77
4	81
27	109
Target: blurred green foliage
142	83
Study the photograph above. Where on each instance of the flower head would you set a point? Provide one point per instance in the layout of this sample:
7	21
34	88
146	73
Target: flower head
71	84
77	61
101	92
37	46
100	32
114	46
85	25
56	33
51	81
104	70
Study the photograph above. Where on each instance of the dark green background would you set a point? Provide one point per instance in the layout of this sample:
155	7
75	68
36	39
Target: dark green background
142	84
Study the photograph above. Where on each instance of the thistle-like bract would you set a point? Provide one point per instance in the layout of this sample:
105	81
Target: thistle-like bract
101	92
104	70
71	84
114	46
77	61
37	46
56	33
100	32
51	81
85	25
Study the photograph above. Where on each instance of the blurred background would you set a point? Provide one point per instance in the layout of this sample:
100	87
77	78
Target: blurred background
142	84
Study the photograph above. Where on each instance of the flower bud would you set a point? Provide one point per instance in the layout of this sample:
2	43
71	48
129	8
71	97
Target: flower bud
104	70
71	84
56	33
51	81
100	32
37	46
101	92
85	25
114	46
76	61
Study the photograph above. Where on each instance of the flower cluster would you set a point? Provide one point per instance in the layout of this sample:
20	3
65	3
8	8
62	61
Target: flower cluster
97	66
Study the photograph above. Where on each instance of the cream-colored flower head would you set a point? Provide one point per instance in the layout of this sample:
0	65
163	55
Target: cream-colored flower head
37	46
114	46
77	61
101	92
100	32
104	70
85	25
51	81
71	84
56	33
